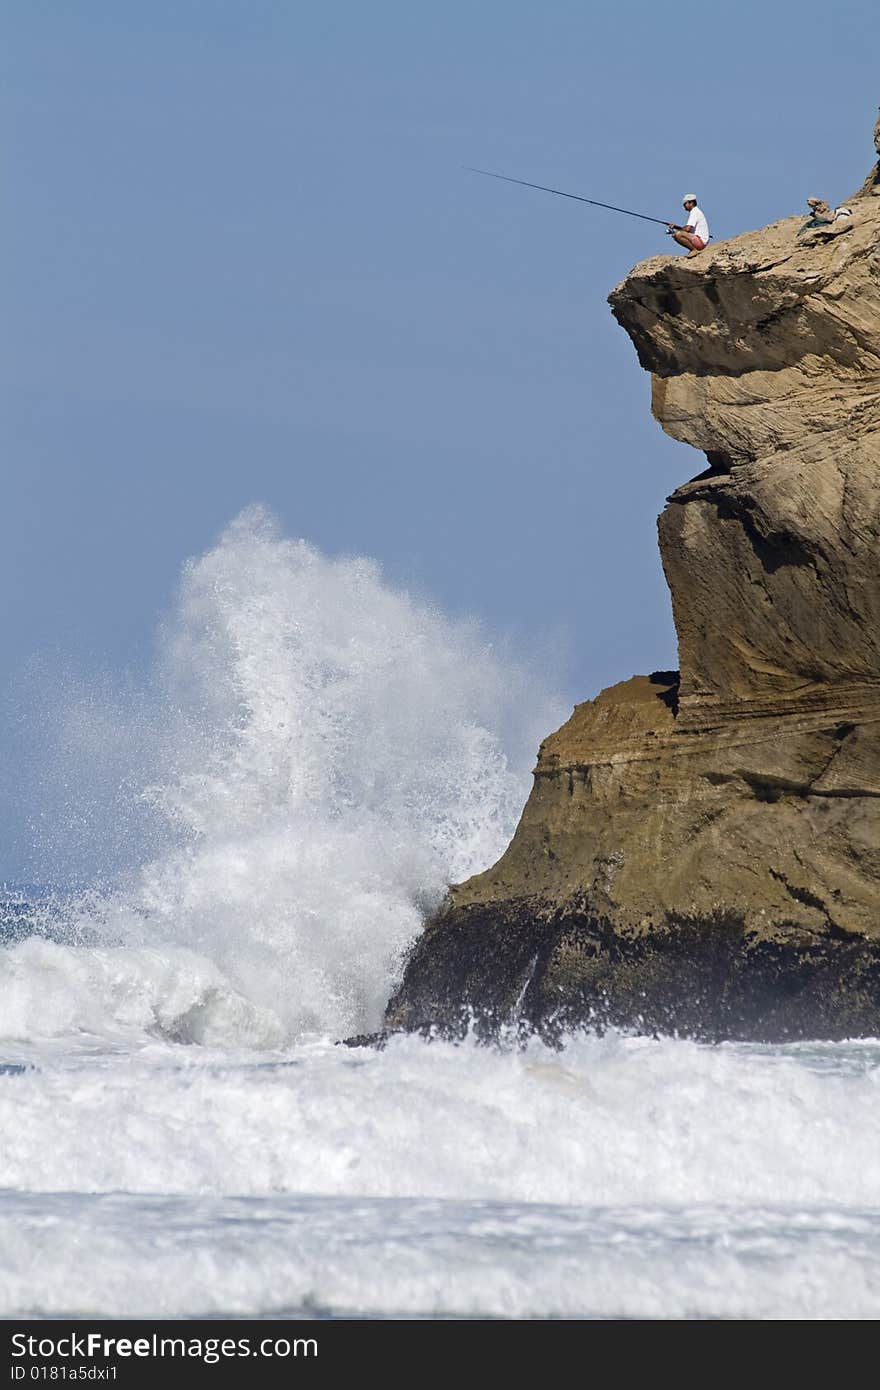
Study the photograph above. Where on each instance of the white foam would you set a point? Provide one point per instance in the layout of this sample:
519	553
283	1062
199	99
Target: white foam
124	994
621	1177
142	1257
610	1121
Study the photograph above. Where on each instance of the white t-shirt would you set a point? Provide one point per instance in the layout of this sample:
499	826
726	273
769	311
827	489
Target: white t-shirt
697	220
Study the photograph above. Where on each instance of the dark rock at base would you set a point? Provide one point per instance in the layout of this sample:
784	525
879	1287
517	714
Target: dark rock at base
497	972
374	1040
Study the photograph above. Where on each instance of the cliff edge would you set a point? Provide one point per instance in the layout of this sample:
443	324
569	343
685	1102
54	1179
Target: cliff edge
701	849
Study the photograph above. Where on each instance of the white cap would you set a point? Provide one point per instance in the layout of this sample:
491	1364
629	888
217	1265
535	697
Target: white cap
689	198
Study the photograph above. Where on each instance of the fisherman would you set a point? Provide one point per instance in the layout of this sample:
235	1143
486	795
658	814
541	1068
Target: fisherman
695	236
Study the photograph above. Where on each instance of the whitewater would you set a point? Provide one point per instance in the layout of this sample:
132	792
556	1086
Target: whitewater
315	756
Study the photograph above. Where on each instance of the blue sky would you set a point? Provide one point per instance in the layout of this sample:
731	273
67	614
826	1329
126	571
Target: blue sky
243	263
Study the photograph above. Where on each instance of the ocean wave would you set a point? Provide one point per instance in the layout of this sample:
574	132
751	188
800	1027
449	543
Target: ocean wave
326	753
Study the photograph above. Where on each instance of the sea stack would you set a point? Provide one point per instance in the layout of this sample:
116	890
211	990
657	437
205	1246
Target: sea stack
700	853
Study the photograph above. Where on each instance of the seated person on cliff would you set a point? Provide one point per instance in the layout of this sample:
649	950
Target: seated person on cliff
695	235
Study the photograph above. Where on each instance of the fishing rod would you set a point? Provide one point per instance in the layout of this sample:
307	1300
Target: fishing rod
561	194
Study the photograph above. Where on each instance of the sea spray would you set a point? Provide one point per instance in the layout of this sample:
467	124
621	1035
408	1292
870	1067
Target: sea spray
327	754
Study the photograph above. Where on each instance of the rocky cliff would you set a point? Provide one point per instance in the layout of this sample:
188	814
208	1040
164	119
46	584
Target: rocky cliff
701	851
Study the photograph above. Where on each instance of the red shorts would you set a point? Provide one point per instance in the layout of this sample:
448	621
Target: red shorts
696	242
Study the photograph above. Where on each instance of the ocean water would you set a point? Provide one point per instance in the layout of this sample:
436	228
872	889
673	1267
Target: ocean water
316	757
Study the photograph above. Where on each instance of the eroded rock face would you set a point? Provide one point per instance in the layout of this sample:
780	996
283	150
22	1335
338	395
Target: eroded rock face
766	355
701	852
